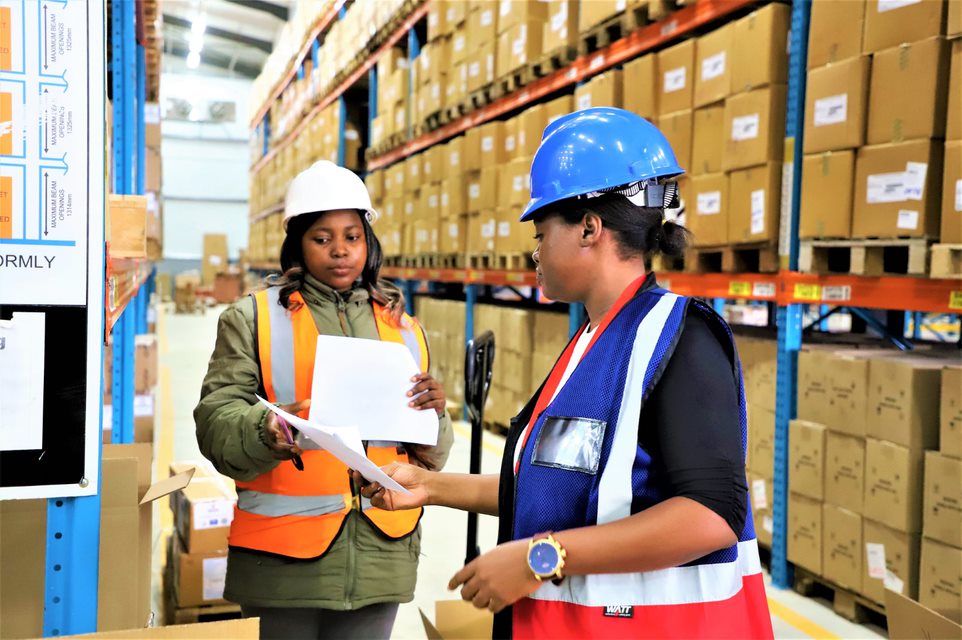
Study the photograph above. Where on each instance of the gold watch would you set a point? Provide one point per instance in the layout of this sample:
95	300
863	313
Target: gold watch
546	559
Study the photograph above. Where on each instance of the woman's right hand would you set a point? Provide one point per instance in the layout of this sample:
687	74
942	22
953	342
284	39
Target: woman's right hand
409	476
274	436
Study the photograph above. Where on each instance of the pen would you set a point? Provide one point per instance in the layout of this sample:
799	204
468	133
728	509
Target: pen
296	459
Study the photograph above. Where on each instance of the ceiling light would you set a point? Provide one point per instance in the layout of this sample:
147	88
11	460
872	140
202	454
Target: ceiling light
198	25
196	42
193	59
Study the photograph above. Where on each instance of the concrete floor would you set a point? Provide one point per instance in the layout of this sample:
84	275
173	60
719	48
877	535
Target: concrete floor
185	345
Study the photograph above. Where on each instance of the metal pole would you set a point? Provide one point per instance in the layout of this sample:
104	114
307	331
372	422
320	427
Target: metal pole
470	299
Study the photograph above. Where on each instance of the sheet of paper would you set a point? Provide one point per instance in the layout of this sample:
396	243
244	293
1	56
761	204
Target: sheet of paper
21	381
365	383
344	443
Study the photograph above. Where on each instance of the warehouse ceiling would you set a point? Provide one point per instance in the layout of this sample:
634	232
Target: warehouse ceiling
236	38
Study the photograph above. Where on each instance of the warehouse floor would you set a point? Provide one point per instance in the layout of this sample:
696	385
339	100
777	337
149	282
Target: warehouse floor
185	344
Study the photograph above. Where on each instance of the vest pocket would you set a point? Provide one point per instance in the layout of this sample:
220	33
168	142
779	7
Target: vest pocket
570	443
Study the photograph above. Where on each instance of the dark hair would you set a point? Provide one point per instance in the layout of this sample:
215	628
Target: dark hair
641	231
292	265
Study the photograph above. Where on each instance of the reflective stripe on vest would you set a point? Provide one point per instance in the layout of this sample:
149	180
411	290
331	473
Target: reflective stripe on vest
300	513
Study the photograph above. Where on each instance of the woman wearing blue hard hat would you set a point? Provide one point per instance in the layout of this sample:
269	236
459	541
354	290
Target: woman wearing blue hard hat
622	499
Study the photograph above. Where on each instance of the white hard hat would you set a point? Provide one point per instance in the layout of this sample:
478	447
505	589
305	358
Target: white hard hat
327	187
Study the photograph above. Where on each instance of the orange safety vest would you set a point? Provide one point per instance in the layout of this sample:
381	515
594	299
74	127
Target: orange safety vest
295	513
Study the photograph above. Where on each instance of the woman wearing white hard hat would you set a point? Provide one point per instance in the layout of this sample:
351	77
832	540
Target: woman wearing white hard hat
307	554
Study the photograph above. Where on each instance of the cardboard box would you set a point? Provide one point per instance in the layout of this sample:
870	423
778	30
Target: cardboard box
481	67
228	286
888	24
675	77
827	192
891	559
640	91
760	48
561	27
23	525
950	413
805	532
459	44
845	471
451	160
951	232
559	107
604	90
806	459
492	150
903	400
214	257
761	441
204	513
431	164
835	31
953	123
515	12
893	485
713	66
754	203
531	125
954	22
457	619
514	183
236	629
758	357
482	230
897	190
482	24
196	578
438	25
454	235
708	140
127	225
909	620
518	46
755	127
144	415
597	11
471	150
153	170
907	99
836	98
833	388
509	138
942	516
454	200
842	546
940	577
677	127
762	494
707	219
145	363
456	12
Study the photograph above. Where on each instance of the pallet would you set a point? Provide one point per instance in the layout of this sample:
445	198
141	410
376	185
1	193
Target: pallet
868	257
946	261
553	60
852	606
664	264
480	260
635	18
448	261
600	35
514	261
658	9
758	257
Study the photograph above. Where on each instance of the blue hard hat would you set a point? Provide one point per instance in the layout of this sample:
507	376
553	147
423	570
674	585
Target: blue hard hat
597	149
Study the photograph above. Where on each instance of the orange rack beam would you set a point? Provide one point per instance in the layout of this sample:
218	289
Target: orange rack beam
124	277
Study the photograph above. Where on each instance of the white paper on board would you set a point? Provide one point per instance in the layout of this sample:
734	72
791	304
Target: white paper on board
21	381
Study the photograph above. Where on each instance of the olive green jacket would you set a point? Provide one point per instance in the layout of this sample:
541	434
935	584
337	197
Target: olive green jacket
362	567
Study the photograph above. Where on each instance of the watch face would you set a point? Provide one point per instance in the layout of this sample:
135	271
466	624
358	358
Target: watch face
543	559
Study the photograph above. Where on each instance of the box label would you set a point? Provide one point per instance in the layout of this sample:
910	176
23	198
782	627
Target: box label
509	144
596	62
433	201
908	219
444	199
758	211
713	66
808	292
215	571
487	144
958	195
876	560
455	158
487	230
915	180
759	495
885	187
739	289
144	405
584	101
709	203
842	293
560	17
504	229
505	7
890	5
768	524
408	208
675	80
210	514
955	302
487	16
518	183
745	127
763	290
151	113
474	191
831	110
474	69
453	230
893	582
459	43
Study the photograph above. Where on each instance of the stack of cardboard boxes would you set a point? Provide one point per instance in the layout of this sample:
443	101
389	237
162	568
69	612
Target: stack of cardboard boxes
444	322
153	181
951	228
145	383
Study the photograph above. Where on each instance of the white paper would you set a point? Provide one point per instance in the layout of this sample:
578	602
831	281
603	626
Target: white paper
487	144
459	43
758	211
453	230
143	405
433	201
509	144
831	110
620	5
455	158
505	8
675	80
958	195
713	66
488	229
876	560
474	191
518	183
889	5
344	443
893	582
151	113
211	514
504	229
745	127
215	573
709	203
21	381
474	70
915	180
759	495
559	18
908	219
885	187
584	101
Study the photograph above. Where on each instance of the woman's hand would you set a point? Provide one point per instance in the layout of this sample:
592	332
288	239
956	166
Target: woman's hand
409	476
274	436
427	393
498	578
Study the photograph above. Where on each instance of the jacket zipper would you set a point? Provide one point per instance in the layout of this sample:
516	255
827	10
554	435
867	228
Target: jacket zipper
351	581
342	315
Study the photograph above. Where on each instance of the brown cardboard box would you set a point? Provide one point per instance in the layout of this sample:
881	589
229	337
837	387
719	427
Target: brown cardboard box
196	578
909	620
761	441
942	516
897	190
214	257
805	532
205	511
454	197
457	619
514	186
903	400
451	159
845	471
940	577
954	22
127	225
754	203
888	24
893	557
675	78
907	100
153	170
483	25
827	193
23	524
558	107
228	286
431	163
893	485
492	147
236	629
481	65
640	90
145	363
531	126
604	90
950	413
487	197
842	546
561	27
755	127
152	124
454	235
509	138
515	12
471	150
952	194
144	415
758	358
713	66
459	44
760	48
438	25
518	46
953	124
708	218
708	140
806	459
762	492
835	32
836	98
597	11
677	127
482	229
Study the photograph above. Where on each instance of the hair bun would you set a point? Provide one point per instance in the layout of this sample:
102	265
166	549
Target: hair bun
672	239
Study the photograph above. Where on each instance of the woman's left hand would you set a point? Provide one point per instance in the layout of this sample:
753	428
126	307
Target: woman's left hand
427	393
497	579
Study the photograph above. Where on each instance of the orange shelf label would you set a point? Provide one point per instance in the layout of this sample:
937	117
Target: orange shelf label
514	277
955	300
808	292
6	64
763	290
740	289
6	124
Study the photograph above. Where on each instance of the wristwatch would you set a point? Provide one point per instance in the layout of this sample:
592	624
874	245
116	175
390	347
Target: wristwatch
546	559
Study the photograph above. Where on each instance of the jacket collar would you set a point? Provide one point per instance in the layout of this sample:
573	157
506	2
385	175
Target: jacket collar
316	292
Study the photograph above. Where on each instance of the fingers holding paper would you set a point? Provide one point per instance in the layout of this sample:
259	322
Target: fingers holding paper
427	393
410	477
